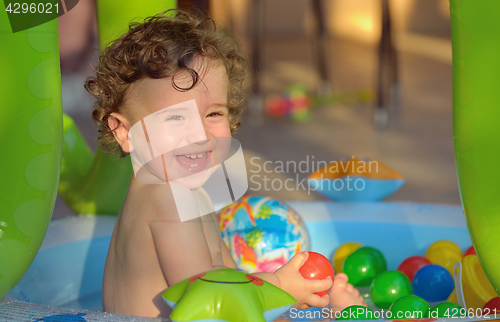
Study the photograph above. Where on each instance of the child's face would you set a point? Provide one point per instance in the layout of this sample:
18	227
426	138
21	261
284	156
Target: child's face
182	127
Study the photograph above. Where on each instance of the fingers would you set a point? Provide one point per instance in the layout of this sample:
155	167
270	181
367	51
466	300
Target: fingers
302	306
318	301
298	260
316	286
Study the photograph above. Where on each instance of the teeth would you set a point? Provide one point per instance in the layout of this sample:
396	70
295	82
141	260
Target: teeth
194	156
194	165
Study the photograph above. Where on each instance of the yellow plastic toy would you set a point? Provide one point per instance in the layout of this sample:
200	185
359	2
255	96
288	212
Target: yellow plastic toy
341	254
476	288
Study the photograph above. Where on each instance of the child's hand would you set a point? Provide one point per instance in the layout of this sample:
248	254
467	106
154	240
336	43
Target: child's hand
292	282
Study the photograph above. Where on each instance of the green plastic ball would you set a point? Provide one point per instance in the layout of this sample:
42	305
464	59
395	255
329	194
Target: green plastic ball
361	268
410	307
447	310
389	286
355	312
297	90
377	254
302	115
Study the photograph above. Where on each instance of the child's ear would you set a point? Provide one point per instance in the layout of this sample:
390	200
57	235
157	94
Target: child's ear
120	127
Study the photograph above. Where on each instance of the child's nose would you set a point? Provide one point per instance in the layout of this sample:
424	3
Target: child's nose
198	134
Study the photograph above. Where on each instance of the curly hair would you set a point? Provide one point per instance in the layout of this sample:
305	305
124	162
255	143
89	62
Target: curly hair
160	47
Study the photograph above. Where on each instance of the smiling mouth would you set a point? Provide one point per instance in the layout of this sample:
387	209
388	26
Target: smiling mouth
193	162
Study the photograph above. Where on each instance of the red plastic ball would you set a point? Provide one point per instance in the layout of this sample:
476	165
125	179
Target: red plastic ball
470	251
411	265
317	267
275	107
492	306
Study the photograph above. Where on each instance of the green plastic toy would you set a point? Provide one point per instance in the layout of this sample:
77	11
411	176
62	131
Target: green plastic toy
226	295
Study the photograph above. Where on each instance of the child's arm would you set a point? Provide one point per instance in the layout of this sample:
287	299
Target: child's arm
226	255
181	247
289	279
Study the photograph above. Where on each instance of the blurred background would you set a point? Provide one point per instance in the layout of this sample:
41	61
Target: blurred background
385	66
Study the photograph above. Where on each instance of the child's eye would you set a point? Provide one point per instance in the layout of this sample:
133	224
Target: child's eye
214	114
175	118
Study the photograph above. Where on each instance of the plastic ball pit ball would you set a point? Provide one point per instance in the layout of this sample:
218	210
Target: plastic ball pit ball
446	257
447	310
361	267
410	307
389	286
341	254
433	283
317	267
377	254
492	307
470	251
355	313
412	265
444	244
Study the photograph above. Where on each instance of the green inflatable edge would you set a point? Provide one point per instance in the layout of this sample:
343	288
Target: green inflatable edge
32	127
31	131
476	124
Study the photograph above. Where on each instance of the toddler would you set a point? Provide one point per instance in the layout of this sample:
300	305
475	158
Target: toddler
174	83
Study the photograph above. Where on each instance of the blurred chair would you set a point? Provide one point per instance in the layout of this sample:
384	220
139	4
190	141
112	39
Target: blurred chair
388	91
257	35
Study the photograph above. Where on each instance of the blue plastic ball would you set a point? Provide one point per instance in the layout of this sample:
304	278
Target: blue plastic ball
433	283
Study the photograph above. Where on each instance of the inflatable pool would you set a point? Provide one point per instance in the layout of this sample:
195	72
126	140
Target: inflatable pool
64	281
67	271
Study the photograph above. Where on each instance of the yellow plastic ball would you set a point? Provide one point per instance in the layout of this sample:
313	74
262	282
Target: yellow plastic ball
341	254
445	257
445	244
